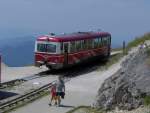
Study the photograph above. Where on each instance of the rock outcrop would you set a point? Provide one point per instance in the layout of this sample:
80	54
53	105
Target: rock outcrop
128	86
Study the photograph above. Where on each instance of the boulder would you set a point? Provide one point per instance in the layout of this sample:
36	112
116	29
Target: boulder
126	88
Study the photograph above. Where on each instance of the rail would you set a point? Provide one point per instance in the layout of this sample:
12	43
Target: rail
6	106
11	83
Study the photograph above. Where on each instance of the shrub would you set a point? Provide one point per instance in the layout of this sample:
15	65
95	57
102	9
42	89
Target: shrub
85	109
147	100
148	51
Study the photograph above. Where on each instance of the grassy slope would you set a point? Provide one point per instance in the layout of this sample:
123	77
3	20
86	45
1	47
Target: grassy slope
138	40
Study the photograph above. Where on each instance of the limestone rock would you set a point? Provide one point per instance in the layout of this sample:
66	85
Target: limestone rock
126	88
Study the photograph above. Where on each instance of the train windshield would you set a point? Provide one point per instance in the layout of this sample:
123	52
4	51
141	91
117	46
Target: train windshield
51	48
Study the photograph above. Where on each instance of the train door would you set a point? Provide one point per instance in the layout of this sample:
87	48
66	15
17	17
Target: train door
66	47
108	38
109	45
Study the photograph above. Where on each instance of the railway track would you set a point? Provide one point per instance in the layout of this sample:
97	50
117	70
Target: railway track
16	82
11	83
23	99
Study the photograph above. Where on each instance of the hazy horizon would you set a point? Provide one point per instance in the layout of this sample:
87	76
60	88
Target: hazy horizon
123	19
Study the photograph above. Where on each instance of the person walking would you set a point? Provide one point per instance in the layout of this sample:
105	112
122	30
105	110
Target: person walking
53	94
60	89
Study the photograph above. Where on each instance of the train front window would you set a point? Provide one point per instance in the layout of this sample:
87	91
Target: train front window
50	48
41	48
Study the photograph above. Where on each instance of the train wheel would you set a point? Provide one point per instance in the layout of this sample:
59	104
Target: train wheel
106	57
49	67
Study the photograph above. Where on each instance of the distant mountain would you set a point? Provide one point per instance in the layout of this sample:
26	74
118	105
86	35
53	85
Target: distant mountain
18	51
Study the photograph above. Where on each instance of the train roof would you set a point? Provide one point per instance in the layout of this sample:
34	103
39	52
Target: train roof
72	37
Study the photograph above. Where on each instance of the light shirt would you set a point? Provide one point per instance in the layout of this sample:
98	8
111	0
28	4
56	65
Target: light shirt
60	86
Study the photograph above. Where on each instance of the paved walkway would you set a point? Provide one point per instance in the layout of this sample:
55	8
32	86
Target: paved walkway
80	90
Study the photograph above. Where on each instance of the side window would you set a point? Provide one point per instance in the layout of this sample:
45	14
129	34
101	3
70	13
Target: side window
84	44
51	48
100	42
109	39
78	45
61	47
42	47
105	41
72	46
96	42
90	43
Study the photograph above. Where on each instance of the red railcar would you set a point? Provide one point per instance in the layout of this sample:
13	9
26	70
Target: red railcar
58	51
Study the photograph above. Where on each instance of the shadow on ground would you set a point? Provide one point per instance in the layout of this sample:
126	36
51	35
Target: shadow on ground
4	94
79	69
66	106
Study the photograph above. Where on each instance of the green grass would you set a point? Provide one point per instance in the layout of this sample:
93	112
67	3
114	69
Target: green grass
85	109
116	49
148	52
147	61
138	41
112	60
134	43
147	100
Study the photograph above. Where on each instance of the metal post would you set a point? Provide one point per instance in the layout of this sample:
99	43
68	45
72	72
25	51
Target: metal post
124	47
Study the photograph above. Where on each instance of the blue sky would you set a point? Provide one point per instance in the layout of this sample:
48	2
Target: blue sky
124	19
